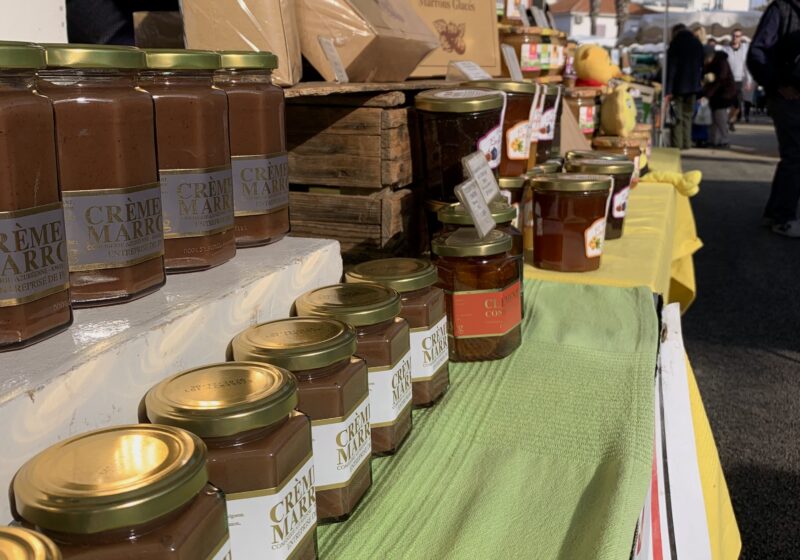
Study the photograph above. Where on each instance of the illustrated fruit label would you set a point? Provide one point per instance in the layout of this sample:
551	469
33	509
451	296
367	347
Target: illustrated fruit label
389	392
517	141
619	203
487	313
586	119
547	125
491	145
594	237
341	445
529	57
429	351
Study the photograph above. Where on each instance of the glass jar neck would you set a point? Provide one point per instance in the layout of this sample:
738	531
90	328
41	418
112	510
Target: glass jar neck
413	294
375	328
177	78
17	79
318	373
244	438
234	76
84	78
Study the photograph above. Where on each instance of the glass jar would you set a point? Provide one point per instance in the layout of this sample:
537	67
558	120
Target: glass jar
259	161
17	543
107	171
483	292
332	391
259	451
423	308
569	221
34	294
136	491
527	44
622	174
455	123
513	189
582	102
548	122
630	148
516	123
194	158
594	154
383	342
455	216
558	53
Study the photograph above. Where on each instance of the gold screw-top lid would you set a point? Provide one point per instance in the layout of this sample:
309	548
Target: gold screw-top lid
14	54
248	59
115	478
501	210
22	544
503	84
617	141
572	182
458	100
297	343
181	59
599	166
93	56
401	274
512	183
465	242
584	92
355	304
224	399
592	154
547	168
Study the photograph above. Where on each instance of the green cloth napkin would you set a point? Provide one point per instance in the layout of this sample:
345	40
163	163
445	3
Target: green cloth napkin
545	454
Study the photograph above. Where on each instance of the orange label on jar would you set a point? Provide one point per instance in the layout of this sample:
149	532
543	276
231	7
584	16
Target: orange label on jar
487	312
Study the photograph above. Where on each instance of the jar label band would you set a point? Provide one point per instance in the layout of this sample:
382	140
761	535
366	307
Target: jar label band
223	550
594	237
341	447
530	57
260	183
586	119
113	228
197	202
276	521
429	351
390	392
486	313
33	248
619	205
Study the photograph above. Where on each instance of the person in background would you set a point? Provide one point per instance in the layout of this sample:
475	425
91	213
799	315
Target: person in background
684	81
774	62
712	43
720	90
737	58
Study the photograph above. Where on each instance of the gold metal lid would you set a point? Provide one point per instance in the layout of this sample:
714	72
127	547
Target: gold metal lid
248	59
616	142
15	54
593	154
93	56
297	343
520	29
355	304
503	84
512	183
181	59
501	210
571	182
401	274
584	91
114	478
545	168
21	544
599	166
465	242
224	399
458	100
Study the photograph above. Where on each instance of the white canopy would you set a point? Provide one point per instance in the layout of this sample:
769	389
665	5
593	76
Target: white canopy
650	28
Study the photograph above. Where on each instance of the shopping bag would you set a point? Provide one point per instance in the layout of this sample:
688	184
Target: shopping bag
703	115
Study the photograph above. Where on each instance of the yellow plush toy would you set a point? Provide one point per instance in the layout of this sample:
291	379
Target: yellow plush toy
593	66
688	184
618	112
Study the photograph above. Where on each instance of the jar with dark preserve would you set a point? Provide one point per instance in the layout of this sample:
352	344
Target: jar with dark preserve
622	173
424	309
17	543
455	216
631	149
194	158
583	106
135	491
569	221
259	451
332	390
107	171
455	123
481	280
516	123
34	293
548	123
259	161
383	342
513	189
528	46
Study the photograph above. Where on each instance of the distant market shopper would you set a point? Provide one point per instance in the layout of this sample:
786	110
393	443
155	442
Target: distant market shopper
720	90
684	75
737	58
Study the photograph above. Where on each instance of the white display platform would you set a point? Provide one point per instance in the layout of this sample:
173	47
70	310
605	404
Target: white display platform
95	374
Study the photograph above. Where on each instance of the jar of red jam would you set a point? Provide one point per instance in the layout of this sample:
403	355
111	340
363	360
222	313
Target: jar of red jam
135	491
455	216
332	391
17	543
482	283
422	306
582	102
516	123
259	450
631	148
453	124
549	120
569	221
259	161
621	173
383	342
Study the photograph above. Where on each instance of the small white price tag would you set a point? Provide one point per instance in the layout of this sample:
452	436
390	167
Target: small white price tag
466	69
477	168
512	62
334	59
469	193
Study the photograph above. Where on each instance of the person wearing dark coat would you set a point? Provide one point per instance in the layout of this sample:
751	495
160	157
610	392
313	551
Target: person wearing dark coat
684	81
720	90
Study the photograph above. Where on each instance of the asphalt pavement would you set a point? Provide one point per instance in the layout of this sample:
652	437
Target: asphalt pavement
743	338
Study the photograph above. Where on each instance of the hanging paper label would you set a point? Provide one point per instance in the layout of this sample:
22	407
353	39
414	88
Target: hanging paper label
477	168
469	193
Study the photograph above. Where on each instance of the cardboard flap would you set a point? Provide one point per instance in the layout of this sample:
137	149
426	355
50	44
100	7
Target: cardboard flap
394	18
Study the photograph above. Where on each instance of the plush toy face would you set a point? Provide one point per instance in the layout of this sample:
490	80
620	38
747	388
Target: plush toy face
593	64
618	112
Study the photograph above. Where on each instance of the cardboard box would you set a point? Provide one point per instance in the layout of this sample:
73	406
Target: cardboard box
376	40
155	30
467	30
252	25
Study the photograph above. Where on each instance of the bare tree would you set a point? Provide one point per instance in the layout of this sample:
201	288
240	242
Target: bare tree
594	12
623	10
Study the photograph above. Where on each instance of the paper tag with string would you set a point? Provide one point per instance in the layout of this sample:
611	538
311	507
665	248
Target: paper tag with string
334	59
477	168
470	195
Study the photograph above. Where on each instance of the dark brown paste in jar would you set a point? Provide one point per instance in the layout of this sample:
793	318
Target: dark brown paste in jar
622	173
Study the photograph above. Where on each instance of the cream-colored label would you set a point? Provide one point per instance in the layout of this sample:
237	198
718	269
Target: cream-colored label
223	551
389	392
272	523
594	237
341	447
517	141
260	183
619	204
429	351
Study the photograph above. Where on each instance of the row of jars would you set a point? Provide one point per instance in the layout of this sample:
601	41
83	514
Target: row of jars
160	159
